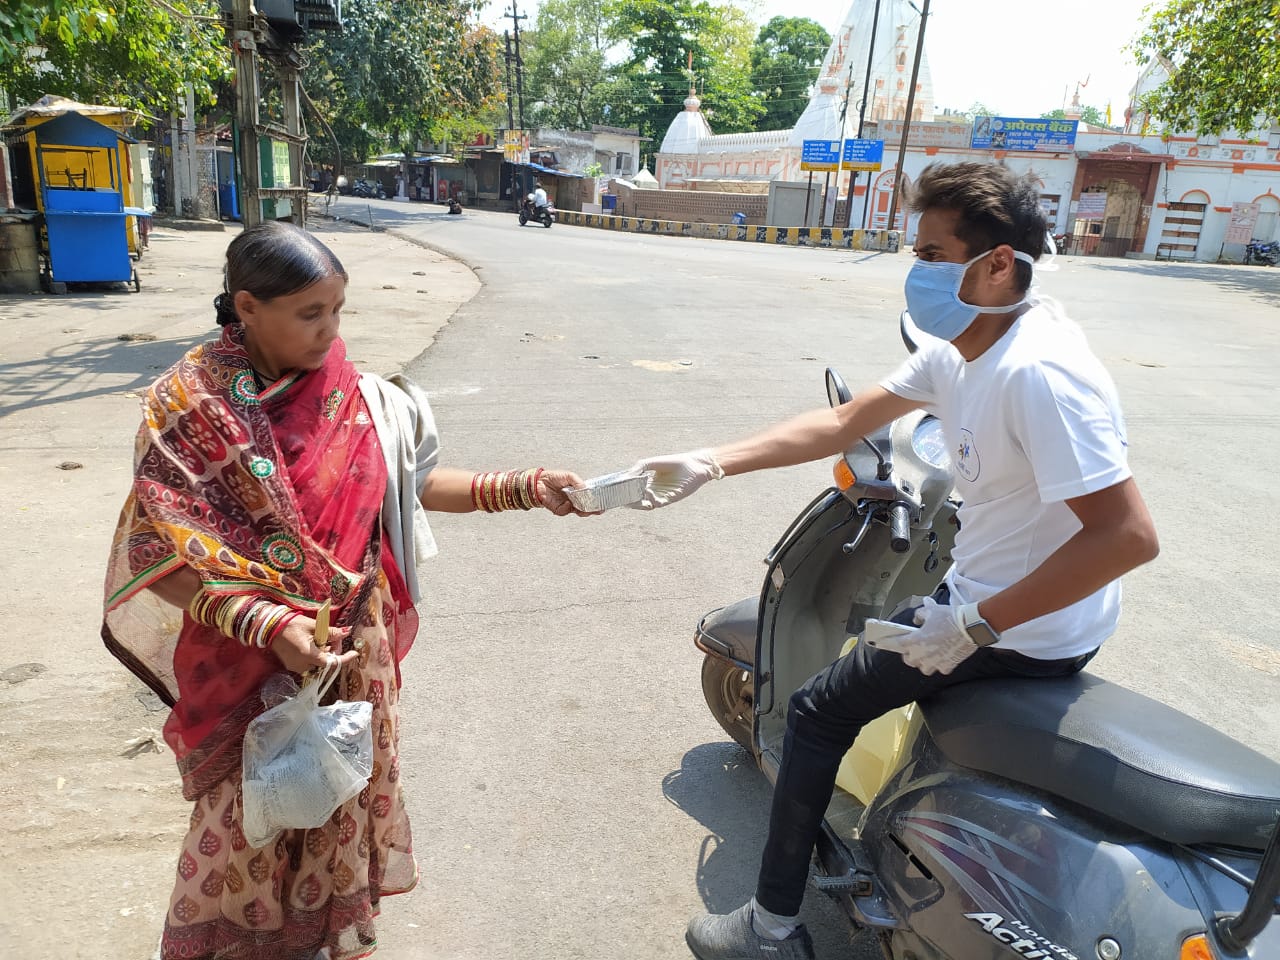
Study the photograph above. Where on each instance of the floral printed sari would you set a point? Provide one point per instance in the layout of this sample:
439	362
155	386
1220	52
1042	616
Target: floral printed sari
274	492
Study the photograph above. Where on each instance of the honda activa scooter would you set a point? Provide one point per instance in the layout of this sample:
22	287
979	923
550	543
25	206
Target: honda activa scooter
543	215
1063	819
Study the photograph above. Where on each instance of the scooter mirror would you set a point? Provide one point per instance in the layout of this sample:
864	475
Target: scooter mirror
910	332
837	389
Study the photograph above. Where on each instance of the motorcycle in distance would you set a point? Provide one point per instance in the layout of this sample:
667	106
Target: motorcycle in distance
1266	254
543	215
371	189
1063	819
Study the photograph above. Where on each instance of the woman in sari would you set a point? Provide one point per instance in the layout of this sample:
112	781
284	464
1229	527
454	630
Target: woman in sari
270	478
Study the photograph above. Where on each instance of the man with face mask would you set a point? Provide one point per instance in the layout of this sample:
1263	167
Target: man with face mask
1051	518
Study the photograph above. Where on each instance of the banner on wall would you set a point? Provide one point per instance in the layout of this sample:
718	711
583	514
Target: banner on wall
1244	217
1023	133
1091	206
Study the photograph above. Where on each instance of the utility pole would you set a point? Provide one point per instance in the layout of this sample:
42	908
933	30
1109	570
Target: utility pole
862	115
844	112
244	46
511	94
516	17
906	122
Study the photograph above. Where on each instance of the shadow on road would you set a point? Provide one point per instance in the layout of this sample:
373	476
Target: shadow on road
91	368
1262	283
719	785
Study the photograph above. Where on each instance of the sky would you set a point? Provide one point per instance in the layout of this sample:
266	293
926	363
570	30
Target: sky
1021	58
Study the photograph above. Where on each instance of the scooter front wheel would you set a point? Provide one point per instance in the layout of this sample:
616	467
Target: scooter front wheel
730	693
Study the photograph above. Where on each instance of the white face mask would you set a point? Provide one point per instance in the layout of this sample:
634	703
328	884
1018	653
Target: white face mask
933	296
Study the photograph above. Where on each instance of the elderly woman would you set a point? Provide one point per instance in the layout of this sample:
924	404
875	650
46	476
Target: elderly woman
271	477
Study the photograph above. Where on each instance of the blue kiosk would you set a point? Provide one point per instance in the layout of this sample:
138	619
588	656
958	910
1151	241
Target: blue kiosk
85	236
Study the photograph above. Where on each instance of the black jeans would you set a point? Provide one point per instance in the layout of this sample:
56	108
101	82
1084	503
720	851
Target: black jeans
824	718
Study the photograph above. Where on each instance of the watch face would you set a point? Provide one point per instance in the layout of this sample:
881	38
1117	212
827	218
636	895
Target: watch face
981	634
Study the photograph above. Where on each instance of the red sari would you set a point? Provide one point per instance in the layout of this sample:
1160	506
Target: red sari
276	493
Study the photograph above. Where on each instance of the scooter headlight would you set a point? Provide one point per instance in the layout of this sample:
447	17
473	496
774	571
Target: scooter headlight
1197	948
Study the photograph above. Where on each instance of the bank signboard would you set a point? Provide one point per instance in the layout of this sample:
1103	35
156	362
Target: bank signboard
1023	133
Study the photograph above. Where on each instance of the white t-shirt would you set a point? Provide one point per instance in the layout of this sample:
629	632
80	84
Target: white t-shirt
1031	423
539	197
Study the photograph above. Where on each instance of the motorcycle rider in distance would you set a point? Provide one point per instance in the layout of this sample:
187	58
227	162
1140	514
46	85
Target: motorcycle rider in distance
1051	515
539	198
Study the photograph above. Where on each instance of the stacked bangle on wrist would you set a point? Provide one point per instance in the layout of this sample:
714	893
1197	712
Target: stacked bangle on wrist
506	490
253	621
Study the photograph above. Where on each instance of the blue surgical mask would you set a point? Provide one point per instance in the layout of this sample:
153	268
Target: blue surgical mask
933	296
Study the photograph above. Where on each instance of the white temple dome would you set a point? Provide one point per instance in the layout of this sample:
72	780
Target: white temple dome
687	129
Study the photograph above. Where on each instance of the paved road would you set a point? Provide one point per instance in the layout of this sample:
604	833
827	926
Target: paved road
572	796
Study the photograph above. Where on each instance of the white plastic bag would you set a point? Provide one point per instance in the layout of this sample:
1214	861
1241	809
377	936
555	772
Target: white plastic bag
302	761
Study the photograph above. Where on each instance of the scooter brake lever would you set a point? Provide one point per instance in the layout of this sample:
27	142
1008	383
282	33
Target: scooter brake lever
868	515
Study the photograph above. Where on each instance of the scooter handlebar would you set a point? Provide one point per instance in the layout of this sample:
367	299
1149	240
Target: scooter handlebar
899	528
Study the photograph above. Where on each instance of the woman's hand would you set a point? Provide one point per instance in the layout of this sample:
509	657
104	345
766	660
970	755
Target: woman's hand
295	646
551	492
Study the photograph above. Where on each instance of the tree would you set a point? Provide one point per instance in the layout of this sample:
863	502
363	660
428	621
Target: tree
785	60
1089	115
672	43
566	76
1223	60
139	55
401	71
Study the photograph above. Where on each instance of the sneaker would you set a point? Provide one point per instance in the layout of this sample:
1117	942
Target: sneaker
730	936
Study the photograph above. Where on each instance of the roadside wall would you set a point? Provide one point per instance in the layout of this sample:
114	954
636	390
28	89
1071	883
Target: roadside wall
887	241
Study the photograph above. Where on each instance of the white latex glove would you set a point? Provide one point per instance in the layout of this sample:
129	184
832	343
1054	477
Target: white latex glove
674	477
939	645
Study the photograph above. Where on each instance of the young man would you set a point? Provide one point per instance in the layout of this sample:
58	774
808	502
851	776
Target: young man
1051	517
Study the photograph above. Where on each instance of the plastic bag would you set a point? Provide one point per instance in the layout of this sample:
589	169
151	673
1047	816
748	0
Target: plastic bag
302	761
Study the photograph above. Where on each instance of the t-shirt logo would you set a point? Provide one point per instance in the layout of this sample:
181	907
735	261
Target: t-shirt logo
968	463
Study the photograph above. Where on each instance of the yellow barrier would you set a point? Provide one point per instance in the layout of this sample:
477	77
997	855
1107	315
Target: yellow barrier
887	241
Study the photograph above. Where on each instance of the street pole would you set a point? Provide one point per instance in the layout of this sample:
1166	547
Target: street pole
844	112
245	53
906	123
516	17
511	121
291	94
862	110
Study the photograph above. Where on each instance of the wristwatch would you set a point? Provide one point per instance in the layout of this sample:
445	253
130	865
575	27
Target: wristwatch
980	632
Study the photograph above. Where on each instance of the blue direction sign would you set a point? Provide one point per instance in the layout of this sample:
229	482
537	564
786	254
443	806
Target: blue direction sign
863	154
820	155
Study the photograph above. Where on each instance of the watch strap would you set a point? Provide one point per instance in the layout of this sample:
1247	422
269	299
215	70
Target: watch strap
968	617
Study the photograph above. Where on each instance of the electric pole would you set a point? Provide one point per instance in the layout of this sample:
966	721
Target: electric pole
906	123
511	94
244	45
516	17
862	114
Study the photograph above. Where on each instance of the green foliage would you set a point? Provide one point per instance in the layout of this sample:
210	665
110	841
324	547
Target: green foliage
1090	115
566	78
785	60
401	71
133	54
1224	62
653	80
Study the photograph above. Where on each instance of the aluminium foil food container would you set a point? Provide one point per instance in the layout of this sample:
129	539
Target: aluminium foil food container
605	493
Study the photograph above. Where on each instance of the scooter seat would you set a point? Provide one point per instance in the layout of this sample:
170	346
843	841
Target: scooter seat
1100	745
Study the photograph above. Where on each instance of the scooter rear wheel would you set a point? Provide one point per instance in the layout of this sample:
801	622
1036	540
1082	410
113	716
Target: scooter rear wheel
730	693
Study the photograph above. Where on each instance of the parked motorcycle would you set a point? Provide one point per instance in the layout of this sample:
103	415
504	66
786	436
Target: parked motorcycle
543	215
365	187
1070	819
1266	254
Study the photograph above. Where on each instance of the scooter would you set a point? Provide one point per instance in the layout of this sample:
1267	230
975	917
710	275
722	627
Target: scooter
364	187
543	215
1064	819
1265	254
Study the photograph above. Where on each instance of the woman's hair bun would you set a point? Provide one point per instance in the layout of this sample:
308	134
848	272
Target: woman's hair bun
226	309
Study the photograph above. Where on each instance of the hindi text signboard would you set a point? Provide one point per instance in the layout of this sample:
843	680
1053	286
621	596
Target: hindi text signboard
1023	133
1244	217
863	155
820	155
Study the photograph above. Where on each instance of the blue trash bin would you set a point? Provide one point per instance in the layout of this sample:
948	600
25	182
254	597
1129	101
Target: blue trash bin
609	202
739	219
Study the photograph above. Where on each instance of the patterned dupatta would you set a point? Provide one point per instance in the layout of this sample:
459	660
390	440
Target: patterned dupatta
275	493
